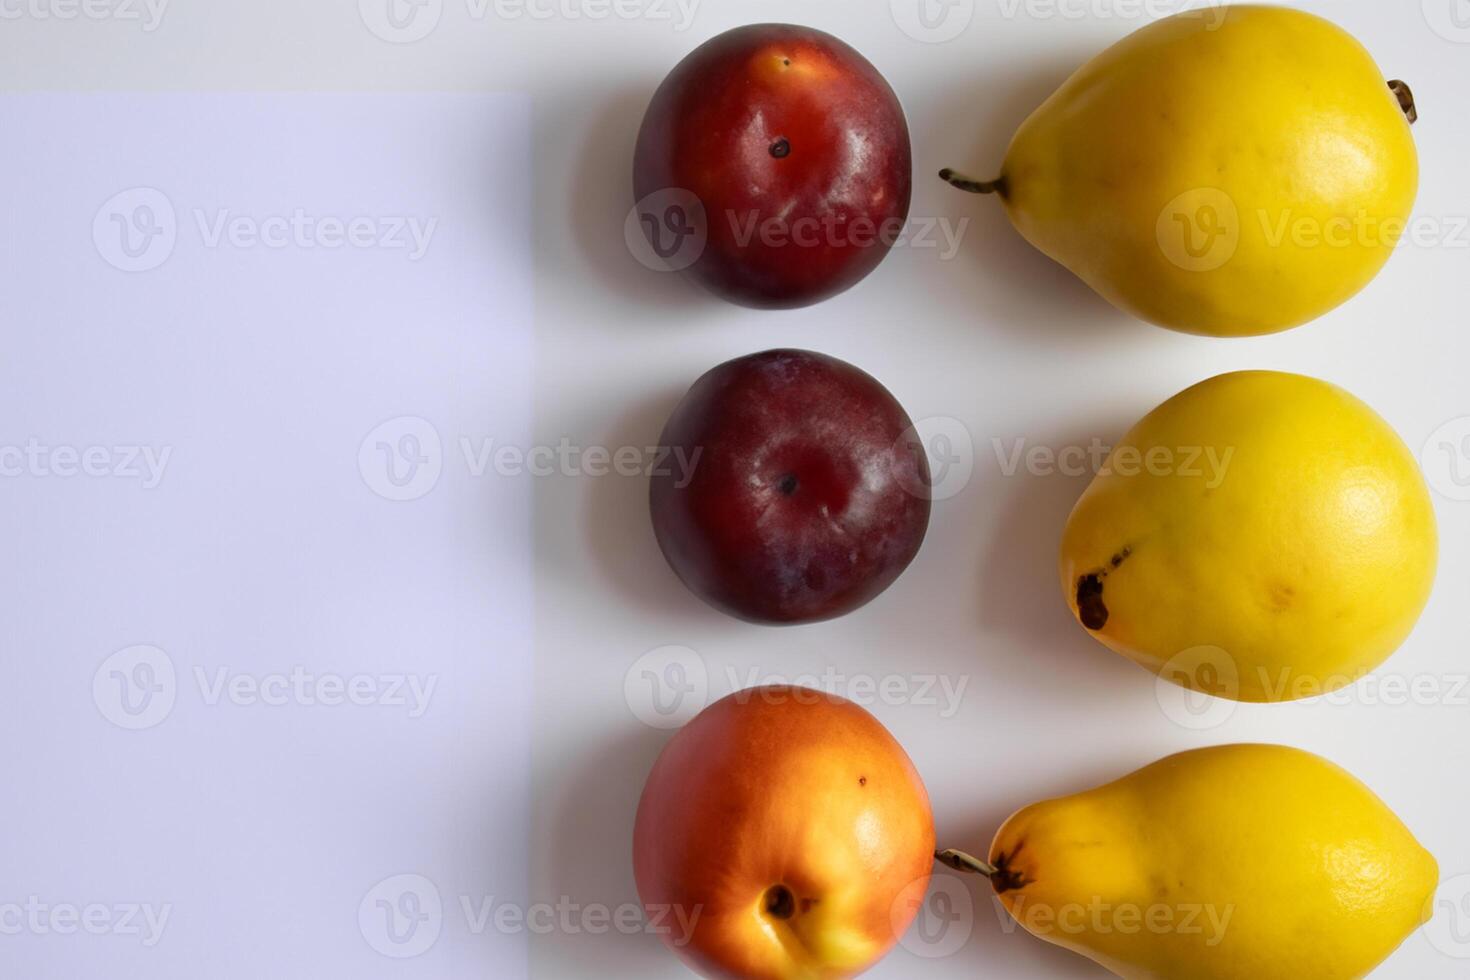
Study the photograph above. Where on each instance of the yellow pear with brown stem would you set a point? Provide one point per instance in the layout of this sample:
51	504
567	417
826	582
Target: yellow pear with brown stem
1240	862
1226	171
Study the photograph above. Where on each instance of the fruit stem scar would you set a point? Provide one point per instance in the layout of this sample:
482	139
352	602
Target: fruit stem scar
780	903
996	186
1405	95
788	484
781	149
1090	607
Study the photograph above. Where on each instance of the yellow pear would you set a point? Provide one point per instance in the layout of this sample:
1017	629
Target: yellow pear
1260	536
1240	862
1226	171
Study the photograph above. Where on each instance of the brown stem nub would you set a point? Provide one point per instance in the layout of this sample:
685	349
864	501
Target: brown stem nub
967	863
996	186
1405	95
1002	878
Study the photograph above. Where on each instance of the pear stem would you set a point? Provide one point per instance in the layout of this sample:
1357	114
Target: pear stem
996	186
968	863
1405	95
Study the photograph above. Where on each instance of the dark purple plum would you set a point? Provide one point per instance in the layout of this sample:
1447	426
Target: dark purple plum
808	490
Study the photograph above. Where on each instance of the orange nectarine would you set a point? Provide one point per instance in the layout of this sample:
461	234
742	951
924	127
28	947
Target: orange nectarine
790	833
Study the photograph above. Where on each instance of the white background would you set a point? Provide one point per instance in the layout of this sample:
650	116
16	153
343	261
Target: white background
997	338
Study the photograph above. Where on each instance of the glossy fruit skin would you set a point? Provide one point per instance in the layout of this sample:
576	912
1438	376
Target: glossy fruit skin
809	493
782	787
1293	564
838	186
1286	865
1272	113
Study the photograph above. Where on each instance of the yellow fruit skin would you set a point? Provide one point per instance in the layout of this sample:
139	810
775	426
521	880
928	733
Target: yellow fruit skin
1241	862
1281	534
1273	114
